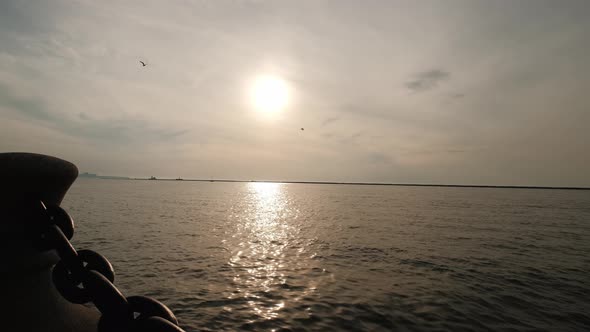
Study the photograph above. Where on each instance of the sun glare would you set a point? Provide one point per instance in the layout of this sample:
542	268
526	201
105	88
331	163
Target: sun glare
270	93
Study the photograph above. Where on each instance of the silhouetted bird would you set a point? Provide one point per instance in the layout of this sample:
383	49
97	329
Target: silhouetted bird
142	63
302	129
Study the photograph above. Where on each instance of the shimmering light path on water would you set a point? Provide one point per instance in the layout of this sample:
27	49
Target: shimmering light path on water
265	256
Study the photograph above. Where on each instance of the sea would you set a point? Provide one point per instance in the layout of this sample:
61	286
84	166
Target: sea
308	257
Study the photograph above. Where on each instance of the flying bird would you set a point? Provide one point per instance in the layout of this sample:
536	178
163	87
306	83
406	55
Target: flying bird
302	129
142	63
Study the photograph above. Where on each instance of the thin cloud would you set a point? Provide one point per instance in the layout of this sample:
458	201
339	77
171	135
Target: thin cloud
330	120
378	158
352	138
168	134
29	107
327	135
122	130
427	80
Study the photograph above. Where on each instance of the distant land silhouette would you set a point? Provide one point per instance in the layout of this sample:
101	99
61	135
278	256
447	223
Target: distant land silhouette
106	177
152	178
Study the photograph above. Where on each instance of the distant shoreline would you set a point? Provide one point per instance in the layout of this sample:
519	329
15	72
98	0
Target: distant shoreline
355	183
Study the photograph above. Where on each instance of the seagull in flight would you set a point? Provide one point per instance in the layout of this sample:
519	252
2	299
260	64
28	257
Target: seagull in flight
142	63
302	129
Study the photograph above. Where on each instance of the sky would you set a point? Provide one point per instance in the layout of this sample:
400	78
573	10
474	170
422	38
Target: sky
463	92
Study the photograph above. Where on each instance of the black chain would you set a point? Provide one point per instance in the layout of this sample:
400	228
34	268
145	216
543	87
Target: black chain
86	276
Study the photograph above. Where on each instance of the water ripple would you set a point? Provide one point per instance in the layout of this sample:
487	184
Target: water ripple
275	257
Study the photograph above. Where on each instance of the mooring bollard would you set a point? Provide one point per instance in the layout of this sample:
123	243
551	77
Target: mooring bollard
30	301
37	294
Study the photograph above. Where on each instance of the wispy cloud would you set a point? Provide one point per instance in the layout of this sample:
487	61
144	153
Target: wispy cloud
330	120
81	126
352	138
427	80
379	158
327	135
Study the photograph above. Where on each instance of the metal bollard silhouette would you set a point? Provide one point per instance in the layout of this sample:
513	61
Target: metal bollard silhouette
29	300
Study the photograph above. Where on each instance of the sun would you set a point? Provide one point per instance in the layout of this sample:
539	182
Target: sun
269	93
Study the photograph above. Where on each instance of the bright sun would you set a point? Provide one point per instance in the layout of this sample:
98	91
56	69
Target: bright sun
270	93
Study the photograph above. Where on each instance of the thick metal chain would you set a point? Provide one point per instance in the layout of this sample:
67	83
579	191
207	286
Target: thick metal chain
86	276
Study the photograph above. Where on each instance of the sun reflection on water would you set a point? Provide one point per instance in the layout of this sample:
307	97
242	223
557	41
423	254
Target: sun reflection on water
264	230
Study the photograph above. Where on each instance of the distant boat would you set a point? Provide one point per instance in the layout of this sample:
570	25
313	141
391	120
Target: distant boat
152	178
179	179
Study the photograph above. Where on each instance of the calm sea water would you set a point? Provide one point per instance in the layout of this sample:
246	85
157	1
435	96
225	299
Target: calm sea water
264	256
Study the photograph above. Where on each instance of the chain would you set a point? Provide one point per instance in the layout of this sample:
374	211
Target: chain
86	276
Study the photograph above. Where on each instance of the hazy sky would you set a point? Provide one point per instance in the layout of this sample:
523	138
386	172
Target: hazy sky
482	92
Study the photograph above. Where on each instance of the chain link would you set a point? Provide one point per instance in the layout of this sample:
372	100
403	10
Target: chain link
86	276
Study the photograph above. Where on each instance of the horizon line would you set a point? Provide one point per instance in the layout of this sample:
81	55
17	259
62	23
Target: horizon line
348	183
